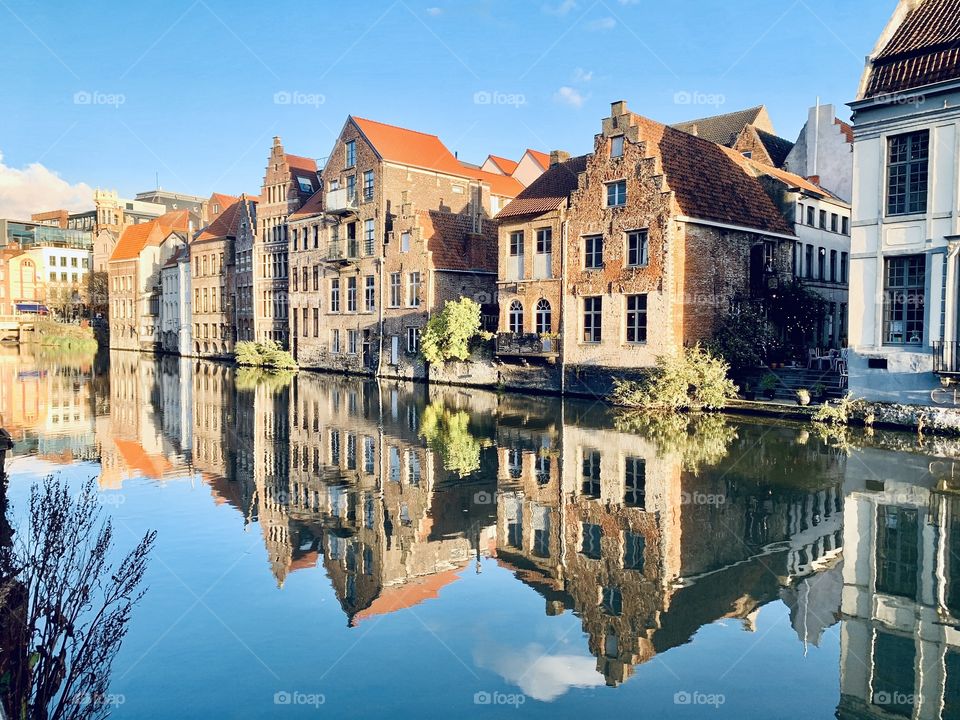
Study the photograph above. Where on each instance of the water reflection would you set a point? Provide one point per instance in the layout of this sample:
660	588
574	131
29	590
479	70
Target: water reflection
647	529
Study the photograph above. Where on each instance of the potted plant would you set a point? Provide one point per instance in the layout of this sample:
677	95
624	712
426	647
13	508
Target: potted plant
768	385
748	392
820	391
803	397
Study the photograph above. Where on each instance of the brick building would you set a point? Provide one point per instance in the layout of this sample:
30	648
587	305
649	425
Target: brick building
289	181
667	233
243	271
134	278
401	227
749	132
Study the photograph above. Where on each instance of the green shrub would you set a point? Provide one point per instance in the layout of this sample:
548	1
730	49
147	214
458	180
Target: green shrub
449	332
744	339
263	354
700	440
839	413
693	380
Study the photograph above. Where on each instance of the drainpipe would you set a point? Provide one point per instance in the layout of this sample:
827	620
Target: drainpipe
380	304
563	311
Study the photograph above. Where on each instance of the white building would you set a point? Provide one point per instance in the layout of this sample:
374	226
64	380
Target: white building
176	329
824	150
906	224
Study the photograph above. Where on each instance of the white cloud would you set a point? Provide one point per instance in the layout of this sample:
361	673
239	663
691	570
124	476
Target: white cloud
569	96
605	23
434	11
35	189
582	76
541	676
564	7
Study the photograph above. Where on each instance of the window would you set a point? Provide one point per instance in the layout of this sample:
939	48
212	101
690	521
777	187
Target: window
515	318
351	187
823	219
351	153
809	262
413	290
822	264
591	473
904	300
413	340
834	222
335	295
617	193
637	249
843	266
845	226
316	278
544	241
592	311
593	252
316	321
296	280
634	546
395	289
368	185
636	318
369	293
413	468
352	336
616	146
335	341
516	244
351	294
544	317
369	237
405	242
611	601
800	211
908	162
833	266
811	215
635	482
590	535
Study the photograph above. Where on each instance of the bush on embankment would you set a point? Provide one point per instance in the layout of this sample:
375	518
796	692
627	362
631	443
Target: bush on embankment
263	355
695	379
62	336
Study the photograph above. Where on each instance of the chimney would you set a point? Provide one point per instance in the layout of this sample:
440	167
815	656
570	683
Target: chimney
558	156
618	108
815	179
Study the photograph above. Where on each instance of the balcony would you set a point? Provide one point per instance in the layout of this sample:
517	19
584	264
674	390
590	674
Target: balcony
336	250
527	345
946	358
341	202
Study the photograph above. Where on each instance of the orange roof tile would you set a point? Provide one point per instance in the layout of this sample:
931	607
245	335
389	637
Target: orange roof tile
507	166
226	223
299	162
542	158
313	206
136	237
136	458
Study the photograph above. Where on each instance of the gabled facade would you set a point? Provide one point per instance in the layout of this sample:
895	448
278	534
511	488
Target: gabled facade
134	278
749	132
905	280
824	150
176	326
244	307
373	254
289	181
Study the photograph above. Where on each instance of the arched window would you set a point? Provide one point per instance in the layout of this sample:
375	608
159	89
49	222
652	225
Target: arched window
544	317
516	317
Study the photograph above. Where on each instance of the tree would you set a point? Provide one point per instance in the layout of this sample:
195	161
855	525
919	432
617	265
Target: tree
66	606
695	379
448	434
449	332
796	310
745	339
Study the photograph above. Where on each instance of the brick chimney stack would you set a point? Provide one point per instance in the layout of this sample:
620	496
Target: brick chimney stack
558	156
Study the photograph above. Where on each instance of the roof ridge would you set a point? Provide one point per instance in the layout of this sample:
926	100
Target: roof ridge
397	127
721	115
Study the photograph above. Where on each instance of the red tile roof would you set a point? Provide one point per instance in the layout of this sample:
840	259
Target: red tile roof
505	165
924	49
709	180
312	207
411	593
299	162
453	244
226	223
136	237
420	150
724	129
548	191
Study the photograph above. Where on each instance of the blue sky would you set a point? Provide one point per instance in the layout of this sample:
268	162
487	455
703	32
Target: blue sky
109	94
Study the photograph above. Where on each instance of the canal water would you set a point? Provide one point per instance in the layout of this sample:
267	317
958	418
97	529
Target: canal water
334	547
